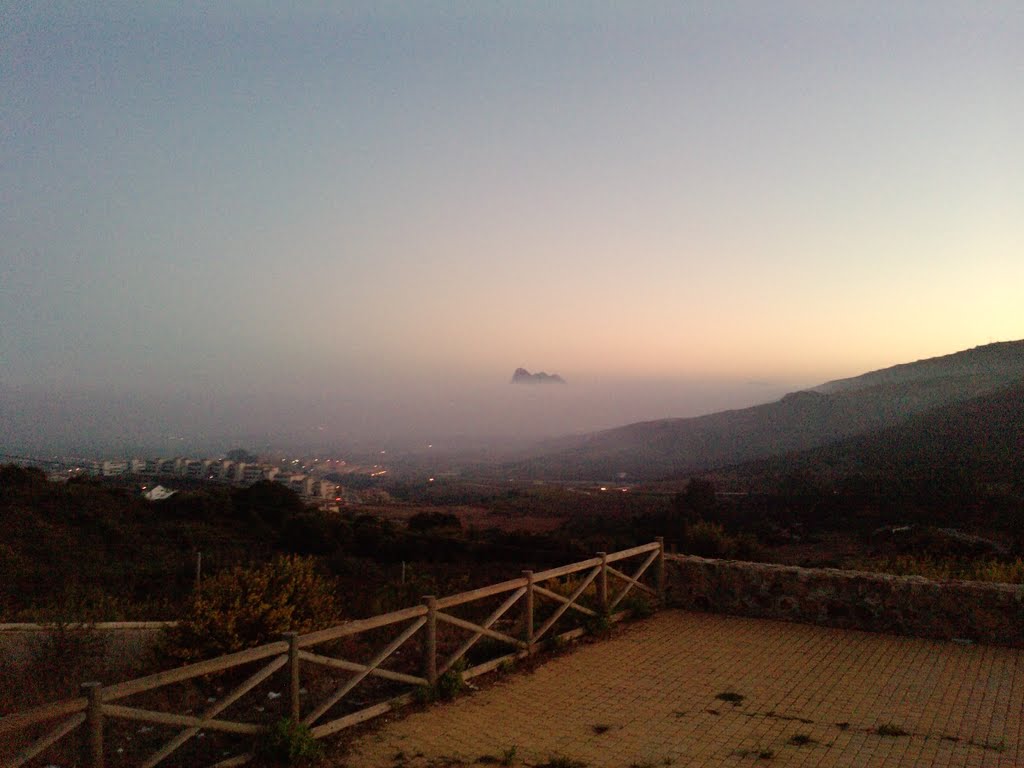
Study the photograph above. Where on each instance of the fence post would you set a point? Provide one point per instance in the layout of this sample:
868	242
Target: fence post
430	641
661	570
602	583
528	612
294	704
92	753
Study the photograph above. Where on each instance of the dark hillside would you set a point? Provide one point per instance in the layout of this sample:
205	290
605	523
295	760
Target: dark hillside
983	437
799	421
994	363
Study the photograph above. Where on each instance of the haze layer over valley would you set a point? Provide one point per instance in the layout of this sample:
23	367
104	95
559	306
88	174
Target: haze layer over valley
396	416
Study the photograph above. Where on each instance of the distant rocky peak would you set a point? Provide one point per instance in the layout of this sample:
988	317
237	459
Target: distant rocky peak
523	376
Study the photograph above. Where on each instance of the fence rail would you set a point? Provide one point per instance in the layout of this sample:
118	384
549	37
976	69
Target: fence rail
518	635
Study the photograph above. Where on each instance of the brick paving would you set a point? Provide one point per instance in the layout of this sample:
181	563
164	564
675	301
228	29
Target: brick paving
652	696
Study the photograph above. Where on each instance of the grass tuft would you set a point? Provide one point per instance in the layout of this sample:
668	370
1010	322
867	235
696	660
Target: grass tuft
891	729
800	740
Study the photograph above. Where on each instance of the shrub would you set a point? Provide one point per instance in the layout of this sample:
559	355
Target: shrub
448	686
639	607
425	521
245	607
711	540
708	540
290	743
891	729
451	683
599	625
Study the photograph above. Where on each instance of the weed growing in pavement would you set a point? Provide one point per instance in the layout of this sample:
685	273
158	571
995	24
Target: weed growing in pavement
800	740
560	761
733	698
757	753
996	746
891	729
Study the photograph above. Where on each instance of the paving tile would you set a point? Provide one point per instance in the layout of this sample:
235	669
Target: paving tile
655	683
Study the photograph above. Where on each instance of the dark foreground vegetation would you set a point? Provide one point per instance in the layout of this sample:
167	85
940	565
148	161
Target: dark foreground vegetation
86	550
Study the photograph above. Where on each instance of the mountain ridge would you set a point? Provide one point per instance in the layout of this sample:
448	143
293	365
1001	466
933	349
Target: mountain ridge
983	435
800	420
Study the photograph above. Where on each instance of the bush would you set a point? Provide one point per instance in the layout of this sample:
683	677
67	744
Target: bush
708	540
451	683
289	743
599	625
246	607
711	540
639	607
425	521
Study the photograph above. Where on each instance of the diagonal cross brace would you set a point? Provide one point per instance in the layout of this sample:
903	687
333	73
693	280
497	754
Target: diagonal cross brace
564	599
49	739
626	577
634	579
357	678
482	629
567	604
215	709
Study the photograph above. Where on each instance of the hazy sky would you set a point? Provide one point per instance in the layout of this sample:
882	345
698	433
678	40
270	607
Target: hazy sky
367	215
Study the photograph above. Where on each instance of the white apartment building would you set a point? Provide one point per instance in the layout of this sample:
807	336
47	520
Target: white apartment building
109	468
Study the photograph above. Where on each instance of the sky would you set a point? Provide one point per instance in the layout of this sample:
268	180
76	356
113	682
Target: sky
353	221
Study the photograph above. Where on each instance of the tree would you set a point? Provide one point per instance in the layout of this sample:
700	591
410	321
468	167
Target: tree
697	501
268	502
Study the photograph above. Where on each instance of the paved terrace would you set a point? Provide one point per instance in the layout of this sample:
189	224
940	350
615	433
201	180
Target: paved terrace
652	696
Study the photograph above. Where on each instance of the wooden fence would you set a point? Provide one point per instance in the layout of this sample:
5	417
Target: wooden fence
541	608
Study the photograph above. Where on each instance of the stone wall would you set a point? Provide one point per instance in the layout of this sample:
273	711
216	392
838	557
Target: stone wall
908	605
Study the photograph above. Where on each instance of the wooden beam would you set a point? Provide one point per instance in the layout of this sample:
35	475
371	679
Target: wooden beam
637	584
351	666
18	720
48	740
563	599
339	694
488	666
215	709
635	578
362	625
456	621
478	594
483	629
167	718
572	599
627	553
361	716
565	570
131	687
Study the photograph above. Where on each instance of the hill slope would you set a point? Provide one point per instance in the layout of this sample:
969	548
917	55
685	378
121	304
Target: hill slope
798	421
983	436
995	363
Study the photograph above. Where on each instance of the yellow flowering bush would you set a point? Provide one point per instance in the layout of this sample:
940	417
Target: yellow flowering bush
245	607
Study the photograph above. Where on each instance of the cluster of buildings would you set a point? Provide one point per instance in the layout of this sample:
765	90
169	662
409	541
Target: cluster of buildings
222	470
